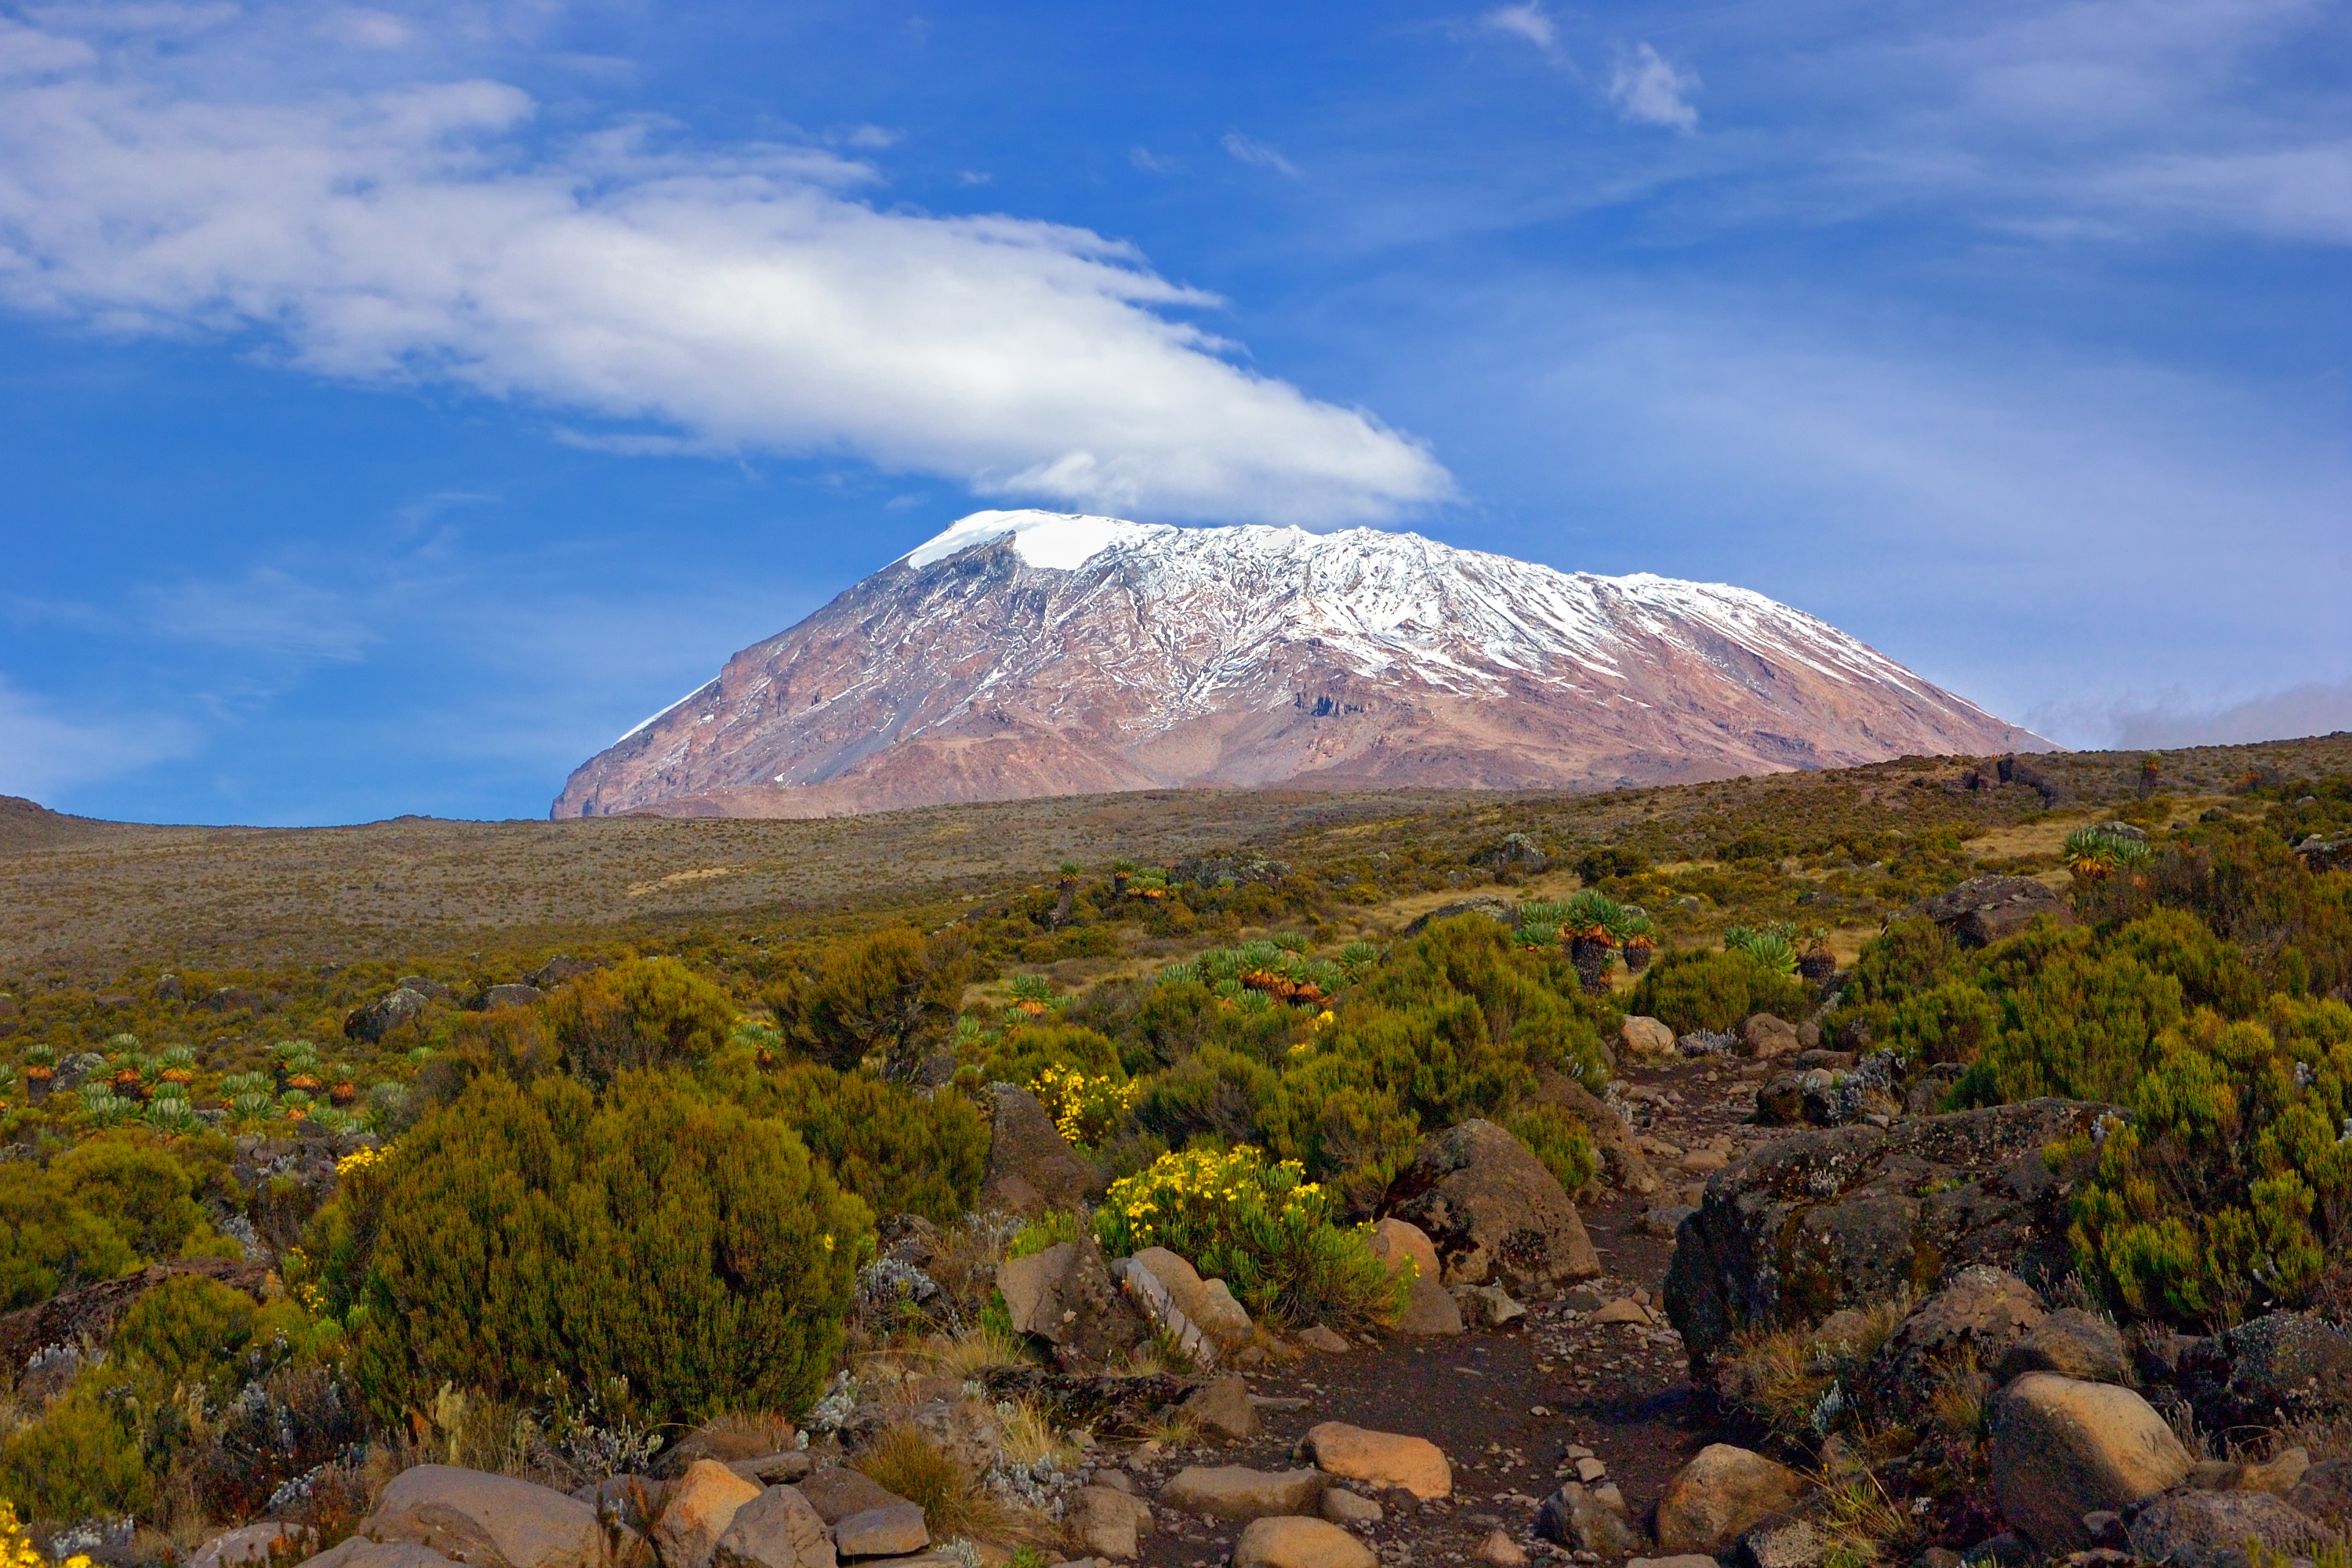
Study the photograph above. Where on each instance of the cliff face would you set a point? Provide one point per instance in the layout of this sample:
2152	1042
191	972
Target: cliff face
1027	653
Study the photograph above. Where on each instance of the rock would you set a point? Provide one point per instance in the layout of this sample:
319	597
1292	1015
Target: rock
2062	1449
359	1551
234	999
2279	1370
1491	1305
778	1528
1065	1296
1233	1492
1782	1100
386	1014
1111	1523
1323	1341
1719	1494
1207	1306
837	1492
2212	1529
1764	1037
1623	1163
1223	1407
1580	1519
1591	1471
1299	1544
1030	1169
1494	909
1380	1458
488	1521
1684	1560
1814	1221
894	1530
2279	1474
1645	1038
774	1469
1341	1506
498	997
1624	1310
1397	1242
1429	1309
1967	1325
170	988
1664	1221
631	1501
1984	909
2325	1493
1111	1406
1492	1210
1501	1549
700	1512
2070	1343
252	1544
562	970
1788	1543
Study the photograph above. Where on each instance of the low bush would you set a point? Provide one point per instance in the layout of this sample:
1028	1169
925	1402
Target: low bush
653	1238
1696	989
900	1151
891	996
79	1460
1560	1139
1263	1228
49	1242
646	1012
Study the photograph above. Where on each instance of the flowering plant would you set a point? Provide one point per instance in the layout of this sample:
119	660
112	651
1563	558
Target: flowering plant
1086	1109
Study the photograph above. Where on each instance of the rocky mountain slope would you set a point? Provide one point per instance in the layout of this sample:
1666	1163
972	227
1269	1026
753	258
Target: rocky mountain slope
1024	653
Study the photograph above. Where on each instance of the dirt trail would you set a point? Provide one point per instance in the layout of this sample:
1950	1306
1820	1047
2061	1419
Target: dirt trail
1506	1405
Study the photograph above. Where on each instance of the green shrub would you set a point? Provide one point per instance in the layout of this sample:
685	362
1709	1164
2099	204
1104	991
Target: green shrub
146	1193
900	1151
1213	1095
891	996
183	1330
1697	989
2229	1188
1558	1139
1263	1228
49	1242
684	1247
648	1012
1019	1054
77	1461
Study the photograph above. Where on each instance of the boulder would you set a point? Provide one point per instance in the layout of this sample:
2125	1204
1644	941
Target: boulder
1207	1304
359	1551
1967	1325
1341	1506
1764	1037
1111	1406
1324	1340
2278	1370
486	1520
1580	1519
778	1528
1814	1221
2062	1449
2213	1530
1429	1309
386	1014
1645	1038
498	997
700	1512
837	1492
1719	1494
1499	1549
1065	1296
1429	1306
1380	1459
1490	1304
1493	1212
2325	1493
1299	1544
2070	1343
1397	1242
1234	1492
1031	1170
1623	1163
562	970
894	1530
774	1470
2278	1475
1984	909
1110	1524
1221	1407
252	1544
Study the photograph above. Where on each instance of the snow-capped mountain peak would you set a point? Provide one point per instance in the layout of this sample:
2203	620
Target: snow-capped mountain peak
1031	652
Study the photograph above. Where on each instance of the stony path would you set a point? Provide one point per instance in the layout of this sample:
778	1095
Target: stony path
1514	1409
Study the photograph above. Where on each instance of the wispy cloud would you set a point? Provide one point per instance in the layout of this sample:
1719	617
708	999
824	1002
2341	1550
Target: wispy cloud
412	236
1150	162
2318	709
1528	21
268	611
43	751
1250	150
1649	90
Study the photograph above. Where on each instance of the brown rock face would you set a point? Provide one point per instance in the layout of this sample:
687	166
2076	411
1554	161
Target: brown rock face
1492	1210
1026	654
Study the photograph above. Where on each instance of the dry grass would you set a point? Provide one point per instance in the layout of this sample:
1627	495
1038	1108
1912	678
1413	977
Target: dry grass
973	1350
1028	1436
902	1460
1780	1374
1861	1524
736	1436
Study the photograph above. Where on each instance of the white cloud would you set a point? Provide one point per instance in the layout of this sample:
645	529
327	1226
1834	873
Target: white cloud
367	28
42	752
2320	709
1250	150
270	611
1150	162
1648	89
742	299
1528	21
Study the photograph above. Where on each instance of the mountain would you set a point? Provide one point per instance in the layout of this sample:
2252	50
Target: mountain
1028	653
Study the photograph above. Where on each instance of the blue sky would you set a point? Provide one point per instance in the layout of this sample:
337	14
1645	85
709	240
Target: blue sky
398	403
